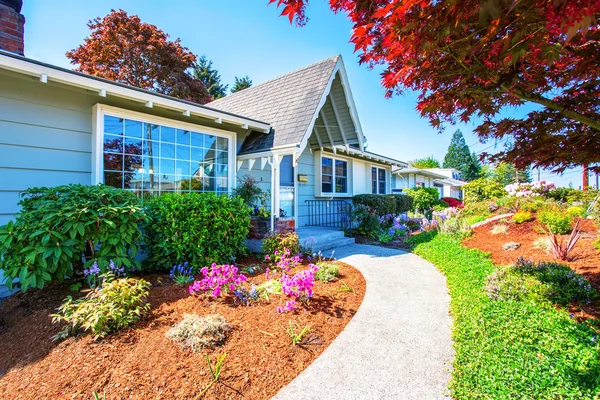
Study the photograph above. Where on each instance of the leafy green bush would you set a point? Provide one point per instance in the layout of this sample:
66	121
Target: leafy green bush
558	223
509	284
595	211
476	208
367	222
521	217
561	194
509	349
423	198
576	211
198	228
404	203
328	271
473	219
114	305
379	204
531	204
65	229
279	242
482	189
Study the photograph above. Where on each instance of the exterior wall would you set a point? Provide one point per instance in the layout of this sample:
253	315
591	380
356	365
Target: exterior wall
306	190
263	176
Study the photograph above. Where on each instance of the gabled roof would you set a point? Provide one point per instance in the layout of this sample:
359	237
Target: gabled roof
289	103
419	171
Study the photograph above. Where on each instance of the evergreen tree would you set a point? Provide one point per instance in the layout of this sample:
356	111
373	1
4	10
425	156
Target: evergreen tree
241	83
427	162
210	77
459	157
507	173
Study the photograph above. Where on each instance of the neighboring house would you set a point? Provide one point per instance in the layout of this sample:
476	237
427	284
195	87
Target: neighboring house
314	152
298	134
445	180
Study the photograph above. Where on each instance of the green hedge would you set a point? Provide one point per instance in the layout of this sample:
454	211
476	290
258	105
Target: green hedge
509	349
424	199
404	203
63	229
483	189
381	204
198	228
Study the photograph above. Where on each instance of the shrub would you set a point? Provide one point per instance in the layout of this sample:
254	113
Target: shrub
404	203
474	219
440	206
561	248
561	194
114	305
526	189
477	208
576	211
509	284
379	204
452	202
65	229
200	228
531	204
482	189
367	222
595	211
423	199
327	272
597	244
276	244
521	217
542	243
196	333
558	223
499	229
248	190
219	279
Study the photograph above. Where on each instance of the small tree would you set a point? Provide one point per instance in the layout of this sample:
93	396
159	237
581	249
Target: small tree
124	49
241	84
426	162
210	78
506	173
459	157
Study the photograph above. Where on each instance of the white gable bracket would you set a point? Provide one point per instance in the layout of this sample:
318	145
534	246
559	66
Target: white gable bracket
338	120
318	136
239	164
251	162
322	114
263	162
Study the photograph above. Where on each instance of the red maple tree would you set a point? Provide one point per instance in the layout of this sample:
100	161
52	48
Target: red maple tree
124	49
474	58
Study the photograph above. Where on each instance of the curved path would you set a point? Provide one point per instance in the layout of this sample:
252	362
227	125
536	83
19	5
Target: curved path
398	344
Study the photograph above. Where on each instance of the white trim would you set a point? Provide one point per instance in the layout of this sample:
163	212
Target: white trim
26	67
388	180
100	110
319	174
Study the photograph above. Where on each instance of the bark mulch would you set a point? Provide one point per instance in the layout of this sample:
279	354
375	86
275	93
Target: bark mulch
585	258
141	363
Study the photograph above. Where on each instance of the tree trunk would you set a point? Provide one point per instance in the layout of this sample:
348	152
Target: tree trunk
585	177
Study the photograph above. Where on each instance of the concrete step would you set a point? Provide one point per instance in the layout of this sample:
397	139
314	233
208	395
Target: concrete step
323	239
325	247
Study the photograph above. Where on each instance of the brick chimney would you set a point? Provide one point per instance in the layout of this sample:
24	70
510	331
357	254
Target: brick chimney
12	25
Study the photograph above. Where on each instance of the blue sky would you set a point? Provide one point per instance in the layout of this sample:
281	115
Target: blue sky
247	37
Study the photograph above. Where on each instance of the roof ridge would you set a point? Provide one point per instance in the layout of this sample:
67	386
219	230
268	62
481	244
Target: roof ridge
252	88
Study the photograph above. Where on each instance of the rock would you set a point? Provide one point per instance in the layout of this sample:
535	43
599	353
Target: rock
511	246
493	207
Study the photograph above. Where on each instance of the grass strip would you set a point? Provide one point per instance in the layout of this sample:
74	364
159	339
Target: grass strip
509	349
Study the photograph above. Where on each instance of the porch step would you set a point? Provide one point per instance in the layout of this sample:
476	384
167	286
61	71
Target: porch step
325	239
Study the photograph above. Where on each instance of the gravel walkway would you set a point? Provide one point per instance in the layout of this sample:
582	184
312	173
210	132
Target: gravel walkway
398	344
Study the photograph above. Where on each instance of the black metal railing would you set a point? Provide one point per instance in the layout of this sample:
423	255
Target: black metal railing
329	214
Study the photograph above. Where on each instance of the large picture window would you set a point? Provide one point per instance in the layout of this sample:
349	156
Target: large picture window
151	159
378	180
334	175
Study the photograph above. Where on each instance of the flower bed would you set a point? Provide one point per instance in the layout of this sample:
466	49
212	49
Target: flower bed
141	362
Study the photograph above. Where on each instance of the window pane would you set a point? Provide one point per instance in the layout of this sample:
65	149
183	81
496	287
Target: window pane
133	128
133	146
286	171
209	142
132	163
197	139
167	167
183	137
341	168
167	182
113	162
151	132
167	150
182	168
374	187
381	187
114	179
113	144
197	154
327	166
183	152
222	143
341	185
221	171
221	157
167	134
374	173
382	174
113	125
327	184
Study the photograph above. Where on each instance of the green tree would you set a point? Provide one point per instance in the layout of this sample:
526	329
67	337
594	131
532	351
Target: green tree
459	157
506	173
210	77
426	162
241	84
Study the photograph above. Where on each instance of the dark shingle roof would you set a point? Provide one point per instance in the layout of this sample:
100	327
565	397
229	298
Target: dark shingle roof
288	103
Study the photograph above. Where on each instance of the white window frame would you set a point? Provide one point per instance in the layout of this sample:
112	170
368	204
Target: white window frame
99	111
333	176
377	167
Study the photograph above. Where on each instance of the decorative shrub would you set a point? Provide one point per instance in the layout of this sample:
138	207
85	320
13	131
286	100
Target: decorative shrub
531	204
558	223
576	211
509	284
595	211
521	217
199	228
542	243
248	190
66	229
482	189
298	287
114	305
474	219
380	204
327	272
196	333
367	222
560	248
403	203
219	279
561	194
499	229
182	274
452	202
423	199
276	244
538	188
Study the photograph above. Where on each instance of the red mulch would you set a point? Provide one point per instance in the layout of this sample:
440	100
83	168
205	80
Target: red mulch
585	258
140	363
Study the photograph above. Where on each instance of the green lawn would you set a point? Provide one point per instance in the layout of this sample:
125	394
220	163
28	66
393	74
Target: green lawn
509	349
